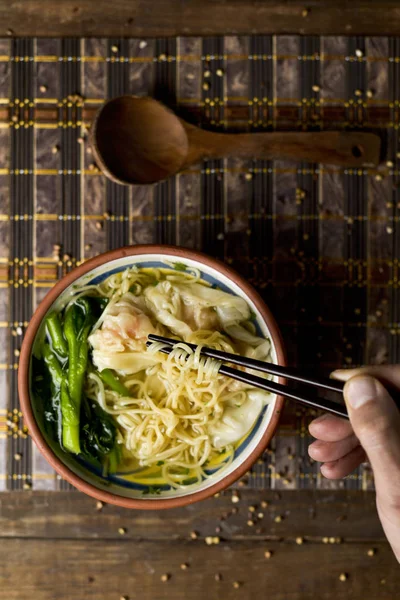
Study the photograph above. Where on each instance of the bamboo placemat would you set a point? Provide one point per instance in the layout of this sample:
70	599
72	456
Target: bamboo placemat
321	244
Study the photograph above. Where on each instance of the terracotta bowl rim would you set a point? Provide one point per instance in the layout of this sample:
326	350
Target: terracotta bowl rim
25	356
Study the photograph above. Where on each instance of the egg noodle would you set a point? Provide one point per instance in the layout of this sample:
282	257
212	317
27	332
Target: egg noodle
182	419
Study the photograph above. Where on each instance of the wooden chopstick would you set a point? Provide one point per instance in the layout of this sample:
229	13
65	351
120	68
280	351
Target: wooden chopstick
310	400
259	365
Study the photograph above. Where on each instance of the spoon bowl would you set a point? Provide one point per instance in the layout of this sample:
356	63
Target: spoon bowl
141	141
138	140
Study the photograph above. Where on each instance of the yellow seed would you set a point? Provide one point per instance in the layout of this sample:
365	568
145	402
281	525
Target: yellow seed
165	577
235	498
358	93
383	581
250	523
124	598
207	73
370	94
332	540
43	88
55	149
209	540
260	515
389	163
299	541
219	72
114	48
278	519
99	505
378	177
122	530
184	566
248	176
325	540
343	576
236	584
305	12
99	225
216	540
252	509
206	86
359	53
264	504
268	554
338	540
193	535
162	57
217	576
316	88
371	552
17	456
27	485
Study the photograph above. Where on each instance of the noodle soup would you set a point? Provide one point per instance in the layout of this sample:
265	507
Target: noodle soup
128	413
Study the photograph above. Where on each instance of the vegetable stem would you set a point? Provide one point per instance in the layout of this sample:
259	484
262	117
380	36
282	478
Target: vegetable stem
78	322
113	382
58	341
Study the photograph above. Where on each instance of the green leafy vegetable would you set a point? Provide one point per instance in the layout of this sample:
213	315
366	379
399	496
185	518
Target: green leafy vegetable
178	266
110	378
78	322
152	490
98	433
58	341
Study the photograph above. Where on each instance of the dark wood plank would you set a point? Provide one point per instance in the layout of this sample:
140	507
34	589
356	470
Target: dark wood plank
350	515
142	18
46	570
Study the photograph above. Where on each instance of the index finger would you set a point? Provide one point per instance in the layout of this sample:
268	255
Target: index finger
329	428
388	375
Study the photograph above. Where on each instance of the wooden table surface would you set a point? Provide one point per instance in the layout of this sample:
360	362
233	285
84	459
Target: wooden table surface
63	546
322	545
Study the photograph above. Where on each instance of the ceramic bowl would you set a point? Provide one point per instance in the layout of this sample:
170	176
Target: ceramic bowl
121	489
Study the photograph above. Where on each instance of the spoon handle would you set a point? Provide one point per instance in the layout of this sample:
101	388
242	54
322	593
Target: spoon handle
343	148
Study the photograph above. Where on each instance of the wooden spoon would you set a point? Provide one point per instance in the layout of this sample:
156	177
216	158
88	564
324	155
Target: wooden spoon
139	140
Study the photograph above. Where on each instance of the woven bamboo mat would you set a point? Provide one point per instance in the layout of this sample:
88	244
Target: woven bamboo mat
321	244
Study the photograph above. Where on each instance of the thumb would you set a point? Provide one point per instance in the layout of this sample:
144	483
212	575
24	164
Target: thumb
376	422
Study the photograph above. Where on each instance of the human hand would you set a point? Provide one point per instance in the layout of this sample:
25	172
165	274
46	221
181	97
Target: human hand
373	434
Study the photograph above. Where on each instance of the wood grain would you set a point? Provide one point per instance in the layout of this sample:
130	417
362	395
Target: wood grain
164	18
59	545
48	569
350	515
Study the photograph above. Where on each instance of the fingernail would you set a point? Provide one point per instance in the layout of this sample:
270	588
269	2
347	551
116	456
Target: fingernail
360	390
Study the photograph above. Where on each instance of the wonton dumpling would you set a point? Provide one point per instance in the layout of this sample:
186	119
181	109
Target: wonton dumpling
236	421
165	303
127	363
124	330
